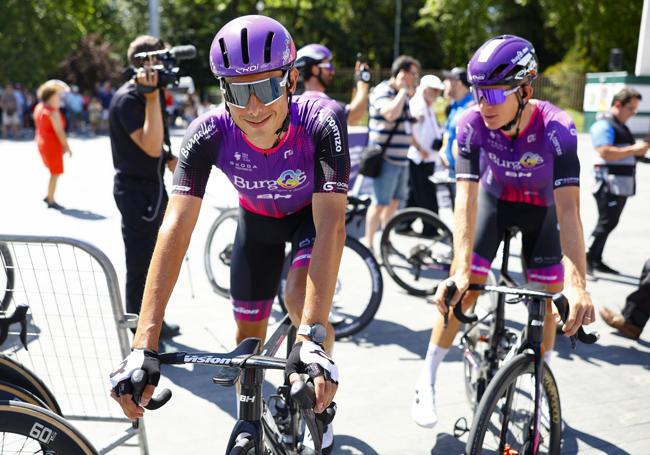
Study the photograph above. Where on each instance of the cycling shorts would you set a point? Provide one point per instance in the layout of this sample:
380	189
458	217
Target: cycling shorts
541	237
258	258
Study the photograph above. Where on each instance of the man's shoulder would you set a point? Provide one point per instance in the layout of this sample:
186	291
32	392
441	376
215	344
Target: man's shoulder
207	128
553	116
127	94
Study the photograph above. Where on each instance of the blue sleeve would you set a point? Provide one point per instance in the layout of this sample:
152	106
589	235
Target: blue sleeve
602	133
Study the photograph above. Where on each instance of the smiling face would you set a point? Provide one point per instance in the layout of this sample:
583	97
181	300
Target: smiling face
258	121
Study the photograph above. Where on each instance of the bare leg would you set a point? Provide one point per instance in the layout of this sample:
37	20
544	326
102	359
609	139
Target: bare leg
373	219
51	188
389	212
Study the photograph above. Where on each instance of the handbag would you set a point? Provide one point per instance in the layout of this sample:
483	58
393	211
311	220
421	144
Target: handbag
372	156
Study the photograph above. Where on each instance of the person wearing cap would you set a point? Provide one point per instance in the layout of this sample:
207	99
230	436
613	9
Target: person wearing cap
427	140
314	61
458	90
517	166
50	136
288	159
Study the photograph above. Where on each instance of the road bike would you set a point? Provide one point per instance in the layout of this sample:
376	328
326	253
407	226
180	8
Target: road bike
272	425
512	391
359	284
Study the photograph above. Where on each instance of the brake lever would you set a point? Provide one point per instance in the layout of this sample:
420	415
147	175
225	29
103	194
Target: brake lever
449	294
19	315
562	305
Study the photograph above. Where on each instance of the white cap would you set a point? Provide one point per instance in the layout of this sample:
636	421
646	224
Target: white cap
431	81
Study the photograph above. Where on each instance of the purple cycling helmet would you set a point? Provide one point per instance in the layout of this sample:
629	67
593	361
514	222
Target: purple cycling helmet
503	60
250	45
312	54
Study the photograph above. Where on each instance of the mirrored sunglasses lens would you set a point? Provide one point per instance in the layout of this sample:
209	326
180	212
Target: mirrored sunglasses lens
238	94
490	95
270	90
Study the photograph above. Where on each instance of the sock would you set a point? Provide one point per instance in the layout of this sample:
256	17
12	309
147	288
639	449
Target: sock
435	356
548	355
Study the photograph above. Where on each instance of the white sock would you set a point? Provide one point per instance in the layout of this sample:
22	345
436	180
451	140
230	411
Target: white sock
548	355
435	356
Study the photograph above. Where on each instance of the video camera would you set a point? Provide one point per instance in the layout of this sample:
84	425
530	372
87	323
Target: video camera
168	67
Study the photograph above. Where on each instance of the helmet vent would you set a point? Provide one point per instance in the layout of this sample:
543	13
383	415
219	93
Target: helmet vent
497	71
244	46
267	47
224	53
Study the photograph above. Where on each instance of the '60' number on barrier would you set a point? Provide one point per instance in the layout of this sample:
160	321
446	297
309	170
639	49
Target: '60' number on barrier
42	433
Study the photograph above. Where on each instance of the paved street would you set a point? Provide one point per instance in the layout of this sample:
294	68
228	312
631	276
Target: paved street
604	388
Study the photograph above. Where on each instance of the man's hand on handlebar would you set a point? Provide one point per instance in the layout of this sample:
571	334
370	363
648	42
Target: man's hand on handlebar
122	388
581	310
461	281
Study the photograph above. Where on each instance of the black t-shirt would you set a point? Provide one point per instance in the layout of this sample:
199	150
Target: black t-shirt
126	115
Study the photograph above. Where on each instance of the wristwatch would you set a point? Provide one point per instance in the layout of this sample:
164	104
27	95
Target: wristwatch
315	332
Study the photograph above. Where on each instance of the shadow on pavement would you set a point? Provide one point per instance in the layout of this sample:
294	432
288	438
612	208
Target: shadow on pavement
571	436
614	355
446	443
83	214
621	279
345	444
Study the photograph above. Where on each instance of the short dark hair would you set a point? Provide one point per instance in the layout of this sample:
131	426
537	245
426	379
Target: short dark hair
403	62
143	43
626	95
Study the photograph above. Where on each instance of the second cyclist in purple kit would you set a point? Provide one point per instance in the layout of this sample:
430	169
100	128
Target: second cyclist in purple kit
517	167
288	159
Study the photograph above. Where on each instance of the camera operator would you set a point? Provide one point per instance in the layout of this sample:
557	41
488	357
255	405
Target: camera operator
141	150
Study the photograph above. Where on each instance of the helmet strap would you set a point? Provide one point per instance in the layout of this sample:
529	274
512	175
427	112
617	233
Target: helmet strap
515	121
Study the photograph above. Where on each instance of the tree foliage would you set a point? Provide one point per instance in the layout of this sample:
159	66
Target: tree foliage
37	36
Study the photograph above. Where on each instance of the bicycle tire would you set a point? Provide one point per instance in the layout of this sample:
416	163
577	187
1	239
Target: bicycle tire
386	248
7	264
358	323
521	364
12	392
33	426
244	446
17	374
208	254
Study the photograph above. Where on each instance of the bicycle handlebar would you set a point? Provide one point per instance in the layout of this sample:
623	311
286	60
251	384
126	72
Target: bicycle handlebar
559	300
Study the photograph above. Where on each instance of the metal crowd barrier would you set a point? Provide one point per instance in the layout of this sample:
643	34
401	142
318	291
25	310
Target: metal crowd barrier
77	329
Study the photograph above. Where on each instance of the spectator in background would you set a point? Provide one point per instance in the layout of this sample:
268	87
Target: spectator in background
458	90
75	103
614	170
22	107
389	112
11	115
94	114
50	134
427	140
105	95
205	105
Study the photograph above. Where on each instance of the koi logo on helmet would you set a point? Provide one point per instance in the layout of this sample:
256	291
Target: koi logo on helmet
248	69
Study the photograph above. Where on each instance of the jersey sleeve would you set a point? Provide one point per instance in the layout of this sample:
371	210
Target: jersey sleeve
602	133
332	160
467	137
197	154
130	112
562	138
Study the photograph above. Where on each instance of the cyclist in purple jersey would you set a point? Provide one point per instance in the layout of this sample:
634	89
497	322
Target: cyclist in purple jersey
517	166
289	161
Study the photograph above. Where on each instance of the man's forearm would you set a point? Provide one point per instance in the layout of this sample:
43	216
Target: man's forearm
573	247
323	270
153	130
464	226
613	153
359	104
393	110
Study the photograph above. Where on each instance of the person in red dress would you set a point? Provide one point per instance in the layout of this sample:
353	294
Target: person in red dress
50	134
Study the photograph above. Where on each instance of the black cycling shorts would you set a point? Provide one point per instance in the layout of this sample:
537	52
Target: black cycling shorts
541	237
258	257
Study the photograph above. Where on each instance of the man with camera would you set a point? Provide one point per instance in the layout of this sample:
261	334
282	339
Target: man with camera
140	146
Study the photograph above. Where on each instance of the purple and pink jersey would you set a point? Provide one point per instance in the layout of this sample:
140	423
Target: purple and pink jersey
526	169
312	157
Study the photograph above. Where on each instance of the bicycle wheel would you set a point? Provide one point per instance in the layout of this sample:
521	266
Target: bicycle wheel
218	251
29	429
7	276
16	374
511	394
416	249
359	290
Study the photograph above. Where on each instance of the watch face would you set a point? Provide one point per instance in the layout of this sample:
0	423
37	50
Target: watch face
365	76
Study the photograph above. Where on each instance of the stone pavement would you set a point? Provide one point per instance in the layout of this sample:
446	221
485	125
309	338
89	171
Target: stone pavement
604	388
